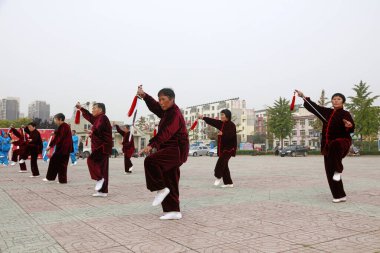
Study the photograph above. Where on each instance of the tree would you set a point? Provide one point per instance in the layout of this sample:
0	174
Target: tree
280	120
16	123
259	138
366	116
323	101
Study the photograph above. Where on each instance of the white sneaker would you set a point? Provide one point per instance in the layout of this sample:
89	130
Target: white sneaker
34	176
22	161
227	186
47	180
12	164
75	163
5	165
337	176
171	216
160	196
344	199
217	181
99	194
23	171
130	169
99	184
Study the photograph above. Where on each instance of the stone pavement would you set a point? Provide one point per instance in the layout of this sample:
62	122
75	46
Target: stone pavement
278	205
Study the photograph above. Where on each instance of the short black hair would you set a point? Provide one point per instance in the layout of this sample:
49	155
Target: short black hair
101	106
167	92
32	124
339	95
60	116
128	127
227	113
74	131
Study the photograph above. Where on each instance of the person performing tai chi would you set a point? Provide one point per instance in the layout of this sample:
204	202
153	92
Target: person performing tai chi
5	146
63	144
166	151
21	153
128	147
227	144
101	146
34	147
336	139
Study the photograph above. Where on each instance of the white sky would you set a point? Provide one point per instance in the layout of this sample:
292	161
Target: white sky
85	50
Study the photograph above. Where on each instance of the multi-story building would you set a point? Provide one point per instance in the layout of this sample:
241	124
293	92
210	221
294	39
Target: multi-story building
39	109
9	108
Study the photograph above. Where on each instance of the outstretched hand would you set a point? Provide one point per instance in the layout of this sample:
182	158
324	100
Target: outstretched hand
300	93
146	150
200	116
140	91
78	106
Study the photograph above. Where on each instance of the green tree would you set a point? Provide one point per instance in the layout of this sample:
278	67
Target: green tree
16	123
280	120
365	114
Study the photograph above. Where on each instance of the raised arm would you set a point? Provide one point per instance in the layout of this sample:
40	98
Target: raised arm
213	122
166	132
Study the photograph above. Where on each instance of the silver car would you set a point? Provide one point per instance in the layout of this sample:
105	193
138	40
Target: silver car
198	151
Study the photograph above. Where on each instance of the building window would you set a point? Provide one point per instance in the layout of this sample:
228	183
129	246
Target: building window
294	132
302	132
311	132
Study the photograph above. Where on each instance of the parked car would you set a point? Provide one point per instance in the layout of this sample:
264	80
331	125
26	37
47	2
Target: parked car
213	151
294	150
198	150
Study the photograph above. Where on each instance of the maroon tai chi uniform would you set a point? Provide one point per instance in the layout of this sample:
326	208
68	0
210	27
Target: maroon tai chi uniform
128	148
101	147
22	151
227	143
63	143
335	143
34	148
172	145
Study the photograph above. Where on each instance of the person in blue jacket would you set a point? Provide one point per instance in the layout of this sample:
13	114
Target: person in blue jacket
75	146
5	146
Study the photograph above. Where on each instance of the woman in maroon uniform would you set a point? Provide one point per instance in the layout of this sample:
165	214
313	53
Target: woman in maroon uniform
227	144
336	139
63	143
128	147
166	151
34	147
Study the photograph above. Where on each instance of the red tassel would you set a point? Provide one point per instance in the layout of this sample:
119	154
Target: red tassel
133	106
154	132
293	102
77	117
87	141
194	125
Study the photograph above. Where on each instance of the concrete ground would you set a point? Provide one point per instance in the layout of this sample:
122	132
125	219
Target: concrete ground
277	205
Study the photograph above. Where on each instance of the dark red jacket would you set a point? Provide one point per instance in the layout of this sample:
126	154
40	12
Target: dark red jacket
35	145
128	146
62	140
101	137
172	130
333	128
227	142
22	138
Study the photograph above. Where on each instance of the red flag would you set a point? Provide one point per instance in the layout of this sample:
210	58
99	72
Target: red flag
293	102
133	106
87	141
77	117
194	125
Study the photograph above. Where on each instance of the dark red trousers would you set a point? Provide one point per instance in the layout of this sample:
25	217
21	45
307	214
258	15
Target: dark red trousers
222	170
33	164
20	154
58	166
336	150
98	165
162	170
127	163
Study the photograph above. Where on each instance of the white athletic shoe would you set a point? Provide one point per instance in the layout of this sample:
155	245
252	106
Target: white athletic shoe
217	181
73	164
12	164
99	184
23	171
47	180
5	165
34	176
160	196
227	186
171	216
344	199
337	176
99	194
22	161
130	169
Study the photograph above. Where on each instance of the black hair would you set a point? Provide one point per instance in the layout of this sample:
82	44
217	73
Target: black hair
227	113
32	124
128	127
101	106
74	131
167	92
60	116
339	95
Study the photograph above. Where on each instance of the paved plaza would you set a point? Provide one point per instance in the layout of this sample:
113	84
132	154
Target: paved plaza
278	205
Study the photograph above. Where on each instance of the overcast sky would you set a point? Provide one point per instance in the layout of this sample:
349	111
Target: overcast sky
207	50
